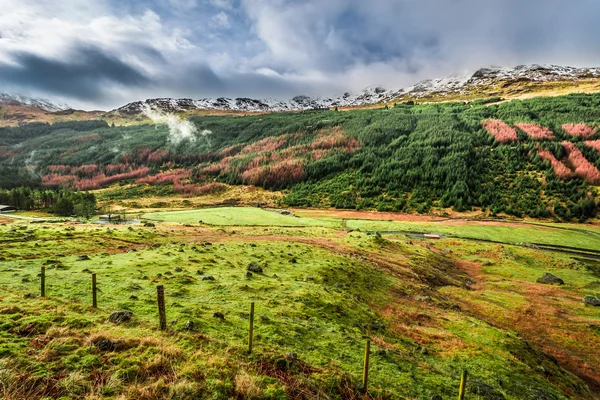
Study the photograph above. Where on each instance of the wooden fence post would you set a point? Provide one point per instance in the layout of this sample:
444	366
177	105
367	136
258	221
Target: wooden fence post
94	300
162	315
251	328
43	282
366	366
463	384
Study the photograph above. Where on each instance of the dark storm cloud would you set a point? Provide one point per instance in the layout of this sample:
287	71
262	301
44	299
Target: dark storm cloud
127	50
82	76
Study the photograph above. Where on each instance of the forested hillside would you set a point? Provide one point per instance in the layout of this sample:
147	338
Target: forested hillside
537	157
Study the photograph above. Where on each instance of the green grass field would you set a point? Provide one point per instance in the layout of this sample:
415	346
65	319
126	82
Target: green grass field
473	230
232	216
323	292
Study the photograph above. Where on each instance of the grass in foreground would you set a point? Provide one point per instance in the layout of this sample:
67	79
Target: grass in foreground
320	296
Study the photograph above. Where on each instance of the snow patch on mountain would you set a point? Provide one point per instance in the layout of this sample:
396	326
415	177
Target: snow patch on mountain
43	104
457	84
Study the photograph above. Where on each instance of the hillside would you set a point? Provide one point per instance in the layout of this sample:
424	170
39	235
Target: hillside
491	83
536	158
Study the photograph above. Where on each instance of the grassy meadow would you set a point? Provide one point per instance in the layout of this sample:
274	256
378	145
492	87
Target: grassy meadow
429	308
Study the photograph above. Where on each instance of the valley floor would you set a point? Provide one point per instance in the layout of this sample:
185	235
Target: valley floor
430	307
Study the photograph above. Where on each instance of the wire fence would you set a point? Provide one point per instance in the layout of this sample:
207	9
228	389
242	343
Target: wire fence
163	326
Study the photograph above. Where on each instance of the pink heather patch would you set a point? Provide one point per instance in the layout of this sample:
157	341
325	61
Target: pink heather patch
166	177
535	131
595	144
335	139
583	168
560	169
281	172
95	182
579	130
271	143
500	130
232	150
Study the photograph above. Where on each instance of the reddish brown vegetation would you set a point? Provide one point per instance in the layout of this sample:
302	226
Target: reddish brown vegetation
560	169
500	130
335	139
535	131
4	152
270	143
232	150
595	144
265	162
144	155
272	164
579	130
582	167
166	177
95	182
289	171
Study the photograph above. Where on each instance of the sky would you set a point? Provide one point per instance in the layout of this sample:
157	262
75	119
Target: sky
105	53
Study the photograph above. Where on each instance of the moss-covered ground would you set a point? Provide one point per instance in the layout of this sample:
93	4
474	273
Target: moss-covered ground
430	309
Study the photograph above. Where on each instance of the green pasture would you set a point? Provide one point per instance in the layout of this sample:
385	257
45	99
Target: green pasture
240	216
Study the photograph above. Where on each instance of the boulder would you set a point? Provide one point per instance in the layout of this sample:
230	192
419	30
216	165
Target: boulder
83	258
549	279
189	326
219	315
119	317
208	278
592	301
254	267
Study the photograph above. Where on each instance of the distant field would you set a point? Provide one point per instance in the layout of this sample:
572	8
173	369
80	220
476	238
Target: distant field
498	232
565	235
247	216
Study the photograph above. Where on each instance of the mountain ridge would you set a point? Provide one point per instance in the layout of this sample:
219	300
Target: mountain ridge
489	82
442	87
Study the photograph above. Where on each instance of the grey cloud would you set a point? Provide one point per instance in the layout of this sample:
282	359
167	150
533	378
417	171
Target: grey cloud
82	76
282	48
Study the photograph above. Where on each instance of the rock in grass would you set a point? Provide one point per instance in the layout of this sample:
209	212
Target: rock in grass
592	301
254	267
248	274
189	326
208	278
549	279
264	318
178	269
119	317
219	315
83	258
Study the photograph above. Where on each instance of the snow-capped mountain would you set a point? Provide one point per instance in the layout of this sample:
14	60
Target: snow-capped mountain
455	84
368	96
42	104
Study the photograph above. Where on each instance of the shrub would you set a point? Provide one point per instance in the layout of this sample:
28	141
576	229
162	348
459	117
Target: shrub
500	130
579	130
560	169
536	131
582	167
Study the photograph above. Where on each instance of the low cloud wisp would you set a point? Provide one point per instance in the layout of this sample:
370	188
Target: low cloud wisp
179	130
